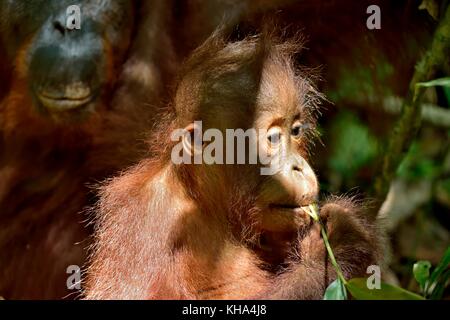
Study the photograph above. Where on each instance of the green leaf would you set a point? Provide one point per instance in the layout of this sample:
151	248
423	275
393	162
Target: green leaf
336	291
438	271
359	290
432	7
421	270
447	94
442	82
438	291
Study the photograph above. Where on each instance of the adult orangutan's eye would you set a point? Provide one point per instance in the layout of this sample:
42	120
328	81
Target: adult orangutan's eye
298	129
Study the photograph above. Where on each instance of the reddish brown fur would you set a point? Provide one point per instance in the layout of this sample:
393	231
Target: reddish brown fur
46	168
194	232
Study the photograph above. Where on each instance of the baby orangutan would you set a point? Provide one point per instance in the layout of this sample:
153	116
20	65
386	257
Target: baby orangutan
225	231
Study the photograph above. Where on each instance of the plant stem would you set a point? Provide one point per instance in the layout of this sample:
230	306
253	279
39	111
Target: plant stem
331	254
313	212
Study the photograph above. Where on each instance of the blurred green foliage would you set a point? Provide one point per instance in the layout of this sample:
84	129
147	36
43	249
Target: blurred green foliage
353	146
360	81
447	94
417	165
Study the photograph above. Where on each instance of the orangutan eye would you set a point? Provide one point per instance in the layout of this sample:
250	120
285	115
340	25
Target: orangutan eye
298	129
274	136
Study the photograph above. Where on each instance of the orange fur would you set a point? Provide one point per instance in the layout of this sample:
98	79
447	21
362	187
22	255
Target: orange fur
47	166
191	231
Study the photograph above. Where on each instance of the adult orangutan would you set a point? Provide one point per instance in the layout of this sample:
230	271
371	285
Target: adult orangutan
224	231
74	102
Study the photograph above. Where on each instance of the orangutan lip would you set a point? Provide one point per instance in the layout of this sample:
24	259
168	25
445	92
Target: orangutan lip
65	103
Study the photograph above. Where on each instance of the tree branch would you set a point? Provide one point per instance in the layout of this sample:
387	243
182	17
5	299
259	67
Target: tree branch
409	123
432	114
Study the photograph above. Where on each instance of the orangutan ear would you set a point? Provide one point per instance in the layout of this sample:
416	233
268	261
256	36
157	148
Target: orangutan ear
193	139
